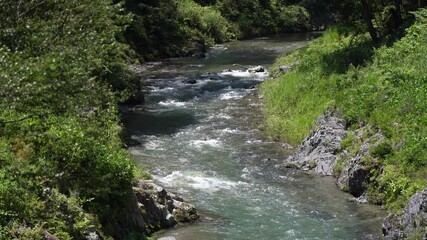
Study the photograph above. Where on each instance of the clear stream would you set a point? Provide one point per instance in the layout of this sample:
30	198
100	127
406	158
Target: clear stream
202	141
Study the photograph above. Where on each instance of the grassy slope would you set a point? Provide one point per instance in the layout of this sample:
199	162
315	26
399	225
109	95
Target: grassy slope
384	88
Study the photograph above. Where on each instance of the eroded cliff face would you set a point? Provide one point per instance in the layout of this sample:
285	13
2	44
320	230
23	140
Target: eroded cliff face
322	152
412	223
318	152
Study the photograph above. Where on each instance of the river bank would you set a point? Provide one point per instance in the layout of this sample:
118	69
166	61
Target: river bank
346	109
202	140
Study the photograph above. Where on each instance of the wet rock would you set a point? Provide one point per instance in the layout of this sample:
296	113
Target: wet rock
256	69
199	54
190	81
354	174
184	212
161	209
412	223
318	151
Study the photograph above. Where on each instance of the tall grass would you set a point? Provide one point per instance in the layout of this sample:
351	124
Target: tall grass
385	88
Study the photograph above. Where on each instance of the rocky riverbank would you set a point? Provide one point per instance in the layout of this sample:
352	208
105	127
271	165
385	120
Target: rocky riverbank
153	208
323	152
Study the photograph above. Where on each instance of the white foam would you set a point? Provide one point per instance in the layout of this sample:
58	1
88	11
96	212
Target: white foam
229	130
221	115
172	103
243	74
198	180
154	145
231	95
203	143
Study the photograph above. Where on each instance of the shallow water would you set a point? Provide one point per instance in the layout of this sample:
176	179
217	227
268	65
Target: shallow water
202	141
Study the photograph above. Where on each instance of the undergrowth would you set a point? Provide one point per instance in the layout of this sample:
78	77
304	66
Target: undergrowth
384	87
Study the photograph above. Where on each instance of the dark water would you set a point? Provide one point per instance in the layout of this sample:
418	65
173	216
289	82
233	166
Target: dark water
202	141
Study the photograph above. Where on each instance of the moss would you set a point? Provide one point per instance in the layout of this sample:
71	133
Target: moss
312	165
338	167
349	141
381	150
344	187
290	165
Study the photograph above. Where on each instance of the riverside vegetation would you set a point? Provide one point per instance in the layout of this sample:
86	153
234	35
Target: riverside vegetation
63	71
377	88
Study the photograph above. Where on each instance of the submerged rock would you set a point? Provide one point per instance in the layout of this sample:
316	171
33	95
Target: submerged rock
412	223
318	151
190	81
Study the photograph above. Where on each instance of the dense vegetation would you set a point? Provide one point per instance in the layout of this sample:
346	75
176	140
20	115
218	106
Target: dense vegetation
383	90
170	28
63	167
63	71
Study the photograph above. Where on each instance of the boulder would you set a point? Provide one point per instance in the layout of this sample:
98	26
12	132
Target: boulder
161	209
318	151
256	69
412	223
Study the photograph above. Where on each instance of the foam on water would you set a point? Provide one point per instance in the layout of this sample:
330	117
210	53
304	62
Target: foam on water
232	95
173	103
198	180
209	142
244	74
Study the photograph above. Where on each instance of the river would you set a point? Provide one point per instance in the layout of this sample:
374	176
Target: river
203	141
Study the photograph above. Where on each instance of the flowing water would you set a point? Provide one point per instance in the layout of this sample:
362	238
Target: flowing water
202	141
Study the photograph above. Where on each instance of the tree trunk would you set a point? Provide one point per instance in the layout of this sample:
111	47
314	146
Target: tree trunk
367	16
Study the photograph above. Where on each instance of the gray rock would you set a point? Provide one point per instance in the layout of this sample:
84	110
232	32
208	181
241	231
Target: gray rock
256	69
92	234
318	151
354	174
49	236
161	209
411	223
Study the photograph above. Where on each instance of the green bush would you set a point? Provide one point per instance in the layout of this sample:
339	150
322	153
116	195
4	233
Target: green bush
384	88
62	75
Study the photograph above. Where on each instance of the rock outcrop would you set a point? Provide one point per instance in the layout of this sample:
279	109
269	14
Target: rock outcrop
318	151
160	209
412	223
355	173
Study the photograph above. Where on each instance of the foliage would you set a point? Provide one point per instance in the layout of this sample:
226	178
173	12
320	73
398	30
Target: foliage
171	28
385	91
258	18
62	74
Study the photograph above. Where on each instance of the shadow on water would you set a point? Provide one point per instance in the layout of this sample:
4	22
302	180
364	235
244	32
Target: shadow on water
158	122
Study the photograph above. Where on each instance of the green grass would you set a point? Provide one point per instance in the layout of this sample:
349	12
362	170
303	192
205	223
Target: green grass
385	88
